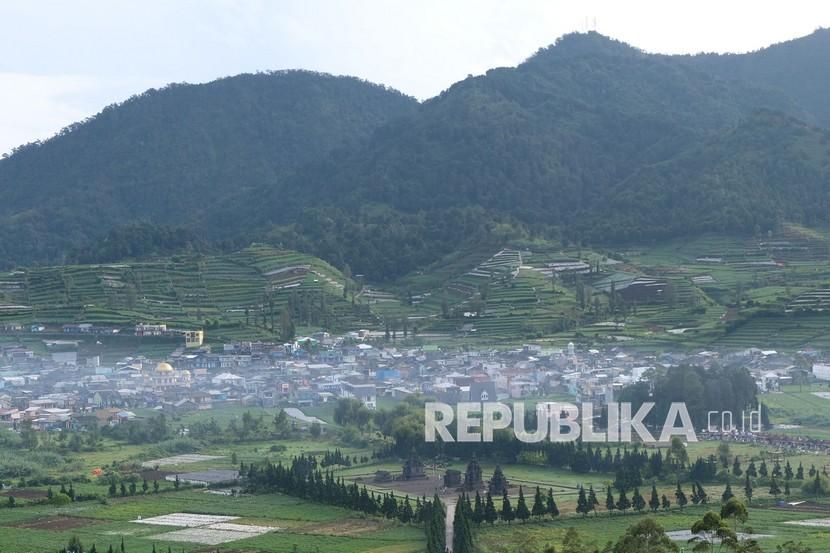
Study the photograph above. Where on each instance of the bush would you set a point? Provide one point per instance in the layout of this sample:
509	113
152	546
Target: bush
819	485
60	499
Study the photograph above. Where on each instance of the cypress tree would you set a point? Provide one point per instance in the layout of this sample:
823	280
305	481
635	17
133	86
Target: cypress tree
680	496
582	502
665	503
654	501
478	510
623	504
436	528
610	504
637	501
538	509
704	497
507	514
773	488
727	493
522	512
490	513
748	489
462	538
550	505
592	499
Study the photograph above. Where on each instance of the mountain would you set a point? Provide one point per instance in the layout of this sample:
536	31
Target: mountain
590	139
769	169
792	67
537	148
169	156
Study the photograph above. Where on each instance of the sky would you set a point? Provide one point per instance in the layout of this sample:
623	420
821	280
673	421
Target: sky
64	61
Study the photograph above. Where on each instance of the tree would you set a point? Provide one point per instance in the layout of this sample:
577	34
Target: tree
774	489
637	501
572	542
680	496
610	504
799	474
74	546
176	482
623	504
762	470
645	536
665	503
582	502
654	501
436	527
522	512
462	537
711	530
507	514
281	424
701	492
490	513
478	510
10	502
751	470
593	502
748	489
735	510
550	505
538	509
315	429
727	493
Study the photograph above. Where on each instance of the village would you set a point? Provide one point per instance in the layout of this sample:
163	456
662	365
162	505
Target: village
51	390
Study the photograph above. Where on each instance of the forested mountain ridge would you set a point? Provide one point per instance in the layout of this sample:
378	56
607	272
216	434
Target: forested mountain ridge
172	156
795	68
588	140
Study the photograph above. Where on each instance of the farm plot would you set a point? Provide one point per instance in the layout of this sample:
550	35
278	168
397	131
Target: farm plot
204	529
55	523
185	520
179	460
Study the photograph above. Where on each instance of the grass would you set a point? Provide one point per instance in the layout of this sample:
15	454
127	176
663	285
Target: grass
302	524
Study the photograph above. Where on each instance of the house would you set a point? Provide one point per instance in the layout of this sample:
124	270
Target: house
228	379
366	393
150	329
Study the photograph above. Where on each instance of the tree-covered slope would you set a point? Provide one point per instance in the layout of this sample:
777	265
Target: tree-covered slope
588	140
797	68
539	147
769	169
174	155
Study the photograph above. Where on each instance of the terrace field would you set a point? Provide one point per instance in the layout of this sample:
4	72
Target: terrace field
720	291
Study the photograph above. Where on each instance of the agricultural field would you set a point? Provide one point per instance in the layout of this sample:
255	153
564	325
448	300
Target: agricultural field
721	291
271	523
602	528
234	295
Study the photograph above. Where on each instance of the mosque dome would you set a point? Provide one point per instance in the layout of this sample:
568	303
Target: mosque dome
164	368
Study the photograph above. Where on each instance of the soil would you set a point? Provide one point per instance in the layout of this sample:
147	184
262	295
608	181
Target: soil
151	475
55	524
24	494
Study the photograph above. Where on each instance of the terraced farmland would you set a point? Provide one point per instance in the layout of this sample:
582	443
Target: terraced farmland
225	290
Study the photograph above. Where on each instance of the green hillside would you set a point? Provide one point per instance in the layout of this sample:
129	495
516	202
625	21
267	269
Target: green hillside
238	295
590	142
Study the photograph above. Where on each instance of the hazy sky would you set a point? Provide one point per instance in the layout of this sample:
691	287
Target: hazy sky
64	60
